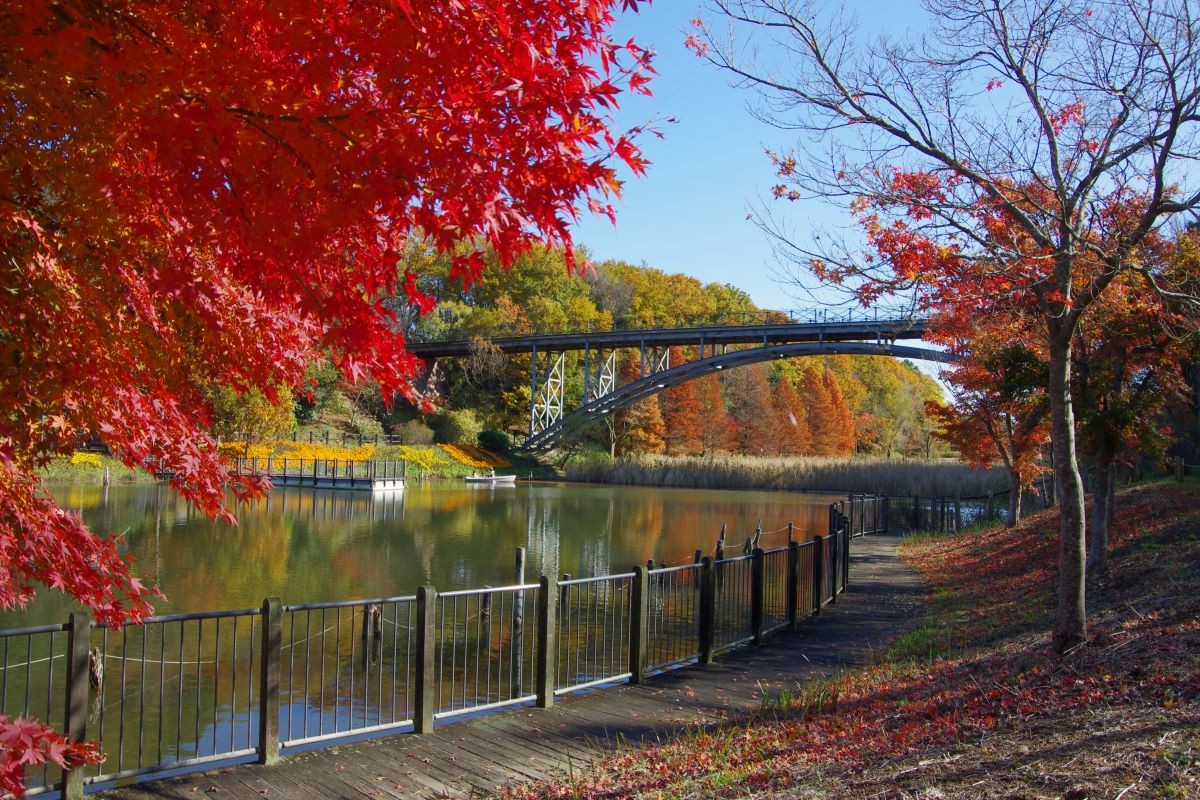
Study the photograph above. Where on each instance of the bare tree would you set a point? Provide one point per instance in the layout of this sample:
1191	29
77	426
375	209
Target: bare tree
1075	123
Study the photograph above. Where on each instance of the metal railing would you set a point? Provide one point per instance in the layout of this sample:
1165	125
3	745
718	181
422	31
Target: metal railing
673	616
188	691
922	513
593	631
718	319
319	469
346	668
486	655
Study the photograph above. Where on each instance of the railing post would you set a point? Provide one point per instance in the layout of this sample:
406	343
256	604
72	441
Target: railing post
708	609
887	514
517	662
835	546
793	583
268	692
639	619
845	553
79	639
426	650
758	578
546	648
818	574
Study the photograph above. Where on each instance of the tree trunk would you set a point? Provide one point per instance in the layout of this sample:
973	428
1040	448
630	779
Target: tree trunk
1015	493
1070	624
1101	514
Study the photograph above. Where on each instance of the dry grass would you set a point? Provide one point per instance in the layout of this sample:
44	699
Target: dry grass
885	476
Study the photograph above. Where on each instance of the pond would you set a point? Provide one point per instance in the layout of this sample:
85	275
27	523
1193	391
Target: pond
306	545
186	689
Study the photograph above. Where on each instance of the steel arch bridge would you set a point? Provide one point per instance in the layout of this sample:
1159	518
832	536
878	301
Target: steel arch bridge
770	336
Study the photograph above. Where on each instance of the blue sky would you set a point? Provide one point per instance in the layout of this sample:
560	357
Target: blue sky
688	214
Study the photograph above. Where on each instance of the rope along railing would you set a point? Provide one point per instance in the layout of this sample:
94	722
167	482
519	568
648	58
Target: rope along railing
185	692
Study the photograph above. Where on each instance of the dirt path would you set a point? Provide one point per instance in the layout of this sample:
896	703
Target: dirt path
469	758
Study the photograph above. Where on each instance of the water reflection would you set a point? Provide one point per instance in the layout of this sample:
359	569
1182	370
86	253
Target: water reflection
311	545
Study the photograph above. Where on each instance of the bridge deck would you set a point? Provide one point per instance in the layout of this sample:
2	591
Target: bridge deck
463	759
669	337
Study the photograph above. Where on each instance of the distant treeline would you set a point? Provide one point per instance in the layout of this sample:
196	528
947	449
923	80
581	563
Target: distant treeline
826	406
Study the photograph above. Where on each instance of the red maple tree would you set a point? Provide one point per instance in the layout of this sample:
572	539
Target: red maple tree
1043	193
212	193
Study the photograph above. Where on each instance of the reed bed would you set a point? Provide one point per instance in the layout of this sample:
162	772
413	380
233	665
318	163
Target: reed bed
943	478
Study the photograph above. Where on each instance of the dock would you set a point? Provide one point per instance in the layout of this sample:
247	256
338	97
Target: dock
329	473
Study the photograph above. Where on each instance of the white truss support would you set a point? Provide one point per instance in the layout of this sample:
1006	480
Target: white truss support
546	397
660	360
602	379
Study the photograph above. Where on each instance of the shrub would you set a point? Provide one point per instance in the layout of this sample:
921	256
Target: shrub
457	427
414	431
365	426
496	441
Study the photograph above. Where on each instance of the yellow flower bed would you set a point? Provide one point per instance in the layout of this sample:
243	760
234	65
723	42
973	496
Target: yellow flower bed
297	450
89	459
425	459
474	456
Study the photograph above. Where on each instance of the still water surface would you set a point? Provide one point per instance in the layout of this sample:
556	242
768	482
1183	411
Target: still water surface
306	545
186	689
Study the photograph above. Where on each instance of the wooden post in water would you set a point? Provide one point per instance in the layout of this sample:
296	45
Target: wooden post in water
696	573
79	637
268	692
426	660
720	568
517	671
547	606
639	620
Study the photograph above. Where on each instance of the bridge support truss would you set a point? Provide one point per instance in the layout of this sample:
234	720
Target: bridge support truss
599	373
545	391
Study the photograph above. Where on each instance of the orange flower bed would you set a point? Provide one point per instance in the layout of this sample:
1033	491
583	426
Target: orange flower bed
474	457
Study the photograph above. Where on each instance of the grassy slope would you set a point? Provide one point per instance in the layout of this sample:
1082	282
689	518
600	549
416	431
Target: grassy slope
973	704
61	470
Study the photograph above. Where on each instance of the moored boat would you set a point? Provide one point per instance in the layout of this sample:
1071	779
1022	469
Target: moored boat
490	479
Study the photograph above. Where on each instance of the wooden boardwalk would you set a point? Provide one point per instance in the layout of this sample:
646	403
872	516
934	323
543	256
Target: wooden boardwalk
475	757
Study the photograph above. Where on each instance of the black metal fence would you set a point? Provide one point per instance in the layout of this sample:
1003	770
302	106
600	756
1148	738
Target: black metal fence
187	691
921	513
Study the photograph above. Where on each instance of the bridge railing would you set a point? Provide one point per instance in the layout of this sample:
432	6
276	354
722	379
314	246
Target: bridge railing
720	319
187	692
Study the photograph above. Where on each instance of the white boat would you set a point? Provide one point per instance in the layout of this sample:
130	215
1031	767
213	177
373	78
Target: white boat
491	479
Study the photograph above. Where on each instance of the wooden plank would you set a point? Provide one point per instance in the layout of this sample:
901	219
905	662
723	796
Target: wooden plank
543	755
